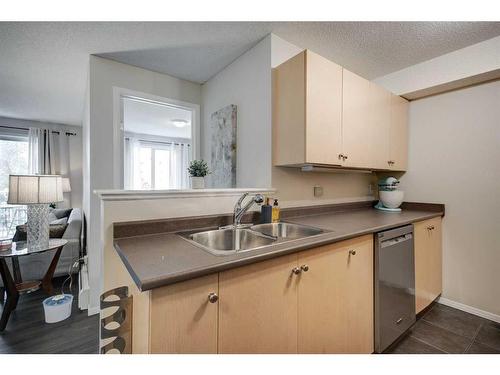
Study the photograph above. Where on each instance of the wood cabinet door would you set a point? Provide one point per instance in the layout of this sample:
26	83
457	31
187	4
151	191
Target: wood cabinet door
335	298
428	262
258	308
356	140
398	134
378	127
289	111
323	110
182	318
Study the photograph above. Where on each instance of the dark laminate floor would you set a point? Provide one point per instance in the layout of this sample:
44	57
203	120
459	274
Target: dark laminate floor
443	330
27	331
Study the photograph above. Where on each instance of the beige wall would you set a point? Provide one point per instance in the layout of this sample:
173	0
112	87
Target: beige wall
454	158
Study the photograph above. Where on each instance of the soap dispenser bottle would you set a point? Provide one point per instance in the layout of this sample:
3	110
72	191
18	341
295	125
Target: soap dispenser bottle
276	211
266	212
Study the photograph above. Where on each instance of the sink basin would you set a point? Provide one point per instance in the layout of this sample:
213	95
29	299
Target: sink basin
286	230
228	241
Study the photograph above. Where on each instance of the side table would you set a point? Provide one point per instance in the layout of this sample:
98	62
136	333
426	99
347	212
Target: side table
15	285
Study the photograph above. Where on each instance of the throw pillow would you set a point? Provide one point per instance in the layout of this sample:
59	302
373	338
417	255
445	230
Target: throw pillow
55	231
61	212
63	220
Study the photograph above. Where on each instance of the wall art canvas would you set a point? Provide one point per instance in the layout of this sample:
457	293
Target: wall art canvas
223	125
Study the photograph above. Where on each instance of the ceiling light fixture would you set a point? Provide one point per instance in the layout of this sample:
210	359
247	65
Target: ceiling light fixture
179	123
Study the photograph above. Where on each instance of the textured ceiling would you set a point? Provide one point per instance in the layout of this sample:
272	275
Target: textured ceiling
43	66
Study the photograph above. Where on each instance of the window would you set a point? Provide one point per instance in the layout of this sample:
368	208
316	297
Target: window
13	160
156	165
157	144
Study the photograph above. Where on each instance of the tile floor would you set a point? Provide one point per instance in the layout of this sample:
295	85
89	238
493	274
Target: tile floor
443	330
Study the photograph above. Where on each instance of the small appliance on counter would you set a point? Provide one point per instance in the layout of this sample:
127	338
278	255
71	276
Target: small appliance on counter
390	198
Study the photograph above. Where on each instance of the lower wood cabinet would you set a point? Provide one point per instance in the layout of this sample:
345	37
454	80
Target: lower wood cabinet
315	301
335	298
183	320
428	262
258	308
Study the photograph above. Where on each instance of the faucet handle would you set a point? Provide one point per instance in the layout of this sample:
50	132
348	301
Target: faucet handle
259	198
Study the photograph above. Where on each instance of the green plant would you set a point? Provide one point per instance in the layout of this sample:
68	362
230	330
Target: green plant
198	168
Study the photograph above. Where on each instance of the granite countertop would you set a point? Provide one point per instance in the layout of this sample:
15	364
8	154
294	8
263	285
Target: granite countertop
157	260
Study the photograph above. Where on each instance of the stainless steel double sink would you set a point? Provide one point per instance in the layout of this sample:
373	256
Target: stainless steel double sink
227	241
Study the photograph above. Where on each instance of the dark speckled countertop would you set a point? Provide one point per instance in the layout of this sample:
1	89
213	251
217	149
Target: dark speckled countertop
161	259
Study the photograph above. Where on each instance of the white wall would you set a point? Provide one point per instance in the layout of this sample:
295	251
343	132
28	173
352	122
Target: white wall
454	158
75	154
101	153
246	82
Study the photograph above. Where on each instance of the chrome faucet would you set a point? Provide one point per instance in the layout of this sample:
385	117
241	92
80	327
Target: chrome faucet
240	211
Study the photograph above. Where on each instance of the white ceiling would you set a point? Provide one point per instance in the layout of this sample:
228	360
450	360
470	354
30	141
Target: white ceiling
155	119
43	66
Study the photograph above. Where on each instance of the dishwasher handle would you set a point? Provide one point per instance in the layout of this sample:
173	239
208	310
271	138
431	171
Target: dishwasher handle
396	240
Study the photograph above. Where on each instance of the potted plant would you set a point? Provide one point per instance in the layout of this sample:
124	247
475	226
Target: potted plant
197	170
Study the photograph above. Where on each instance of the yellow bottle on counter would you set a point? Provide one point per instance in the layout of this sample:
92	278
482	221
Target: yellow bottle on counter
276	212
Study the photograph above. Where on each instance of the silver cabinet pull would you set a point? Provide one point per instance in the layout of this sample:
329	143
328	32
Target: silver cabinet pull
213	297
399	320
352	252
296	270
304	267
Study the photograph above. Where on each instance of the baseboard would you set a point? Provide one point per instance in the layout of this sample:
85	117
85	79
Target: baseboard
469	309
93	310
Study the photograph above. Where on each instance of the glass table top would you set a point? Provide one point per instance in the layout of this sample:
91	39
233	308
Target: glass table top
21	248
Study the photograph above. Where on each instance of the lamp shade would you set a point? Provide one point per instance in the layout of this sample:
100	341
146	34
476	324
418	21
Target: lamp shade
35	189
66	187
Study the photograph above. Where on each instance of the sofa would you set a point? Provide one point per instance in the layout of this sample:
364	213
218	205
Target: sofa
33	267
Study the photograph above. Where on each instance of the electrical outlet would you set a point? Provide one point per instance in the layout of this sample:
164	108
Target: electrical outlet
318	191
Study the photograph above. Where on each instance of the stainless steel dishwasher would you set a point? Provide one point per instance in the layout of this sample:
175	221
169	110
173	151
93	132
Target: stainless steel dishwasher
394	285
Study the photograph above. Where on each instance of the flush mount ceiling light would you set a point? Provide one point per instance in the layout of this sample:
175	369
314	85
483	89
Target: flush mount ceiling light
179	123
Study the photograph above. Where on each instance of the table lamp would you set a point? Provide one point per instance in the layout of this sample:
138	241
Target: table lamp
37	192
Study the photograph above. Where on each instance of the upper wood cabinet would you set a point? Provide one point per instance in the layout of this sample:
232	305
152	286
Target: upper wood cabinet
326	115
398	134
183	320
335	297
356	132
258	308
428	262
307	111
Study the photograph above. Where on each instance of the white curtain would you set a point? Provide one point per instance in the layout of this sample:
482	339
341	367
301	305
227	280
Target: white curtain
179	162
48	152
131	148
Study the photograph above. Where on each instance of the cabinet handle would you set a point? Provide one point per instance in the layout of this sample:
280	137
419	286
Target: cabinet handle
341	156
430	227
352	252
213	297
345	157
296	270
304	267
